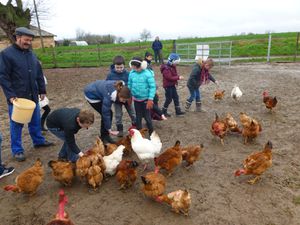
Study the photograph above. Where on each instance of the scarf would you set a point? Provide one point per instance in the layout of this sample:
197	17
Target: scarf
204	76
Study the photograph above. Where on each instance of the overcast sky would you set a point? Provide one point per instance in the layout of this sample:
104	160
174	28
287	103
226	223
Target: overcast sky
171	19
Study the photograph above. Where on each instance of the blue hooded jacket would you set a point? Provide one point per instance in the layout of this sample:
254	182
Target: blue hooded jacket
21	74
114	75
103	91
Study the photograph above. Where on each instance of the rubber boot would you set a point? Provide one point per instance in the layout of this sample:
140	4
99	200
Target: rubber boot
178	111
187	106
107	139
199	107
120	129
165	112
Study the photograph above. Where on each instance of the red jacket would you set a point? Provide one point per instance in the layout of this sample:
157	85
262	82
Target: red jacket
170	75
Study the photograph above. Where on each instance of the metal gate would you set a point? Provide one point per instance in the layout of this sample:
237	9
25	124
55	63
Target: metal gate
219	51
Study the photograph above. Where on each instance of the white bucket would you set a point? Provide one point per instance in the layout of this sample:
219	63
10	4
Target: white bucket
22	110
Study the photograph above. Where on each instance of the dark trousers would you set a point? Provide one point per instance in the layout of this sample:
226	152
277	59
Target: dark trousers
46	112
156	108
158	56
142	112
98	107
171	94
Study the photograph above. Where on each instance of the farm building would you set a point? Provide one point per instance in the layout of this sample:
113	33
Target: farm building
78	43
48	38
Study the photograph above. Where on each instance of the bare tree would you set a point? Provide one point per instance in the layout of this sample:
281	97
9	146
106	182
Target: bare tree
145	35
12	16
120	40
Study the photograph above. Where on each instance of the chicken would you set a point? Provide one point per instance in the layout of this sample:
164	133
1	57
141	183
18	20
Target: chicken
91	165
62	171
257	163
219	94
232	124
179	200
29	180
154	184
245	119
191	154
126	141
169	159
110	148
113	160
94	176
251	130
236	93
61	218
219	128
126	173
269	101
144	148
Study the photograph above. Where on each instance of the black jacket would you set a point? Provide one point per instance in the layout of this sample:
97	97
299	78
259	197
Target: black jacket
64	119
194	80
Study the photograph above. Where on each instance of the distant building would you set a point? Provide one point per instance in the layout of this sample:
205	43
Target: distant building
78	43
48	38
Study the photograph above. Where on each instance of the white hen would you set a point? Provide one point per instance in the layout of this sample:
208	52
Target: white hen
112	161
144	148
236	93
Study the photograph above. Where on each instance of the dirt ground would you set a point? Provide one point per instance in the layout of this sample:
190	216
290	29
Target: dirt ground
217	196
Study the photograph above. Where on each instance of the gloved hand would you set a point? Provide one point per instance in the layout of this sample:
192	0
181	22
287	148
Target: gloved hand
217	83
149	104
80	154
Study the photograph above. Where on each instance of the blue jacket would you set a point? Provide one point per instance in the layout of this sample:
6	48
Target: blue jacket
157	45
102	90
21	74
113	75
142	85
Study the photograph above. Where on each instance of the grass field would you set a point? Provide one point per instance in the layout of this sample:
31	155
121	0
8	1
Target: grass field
252	45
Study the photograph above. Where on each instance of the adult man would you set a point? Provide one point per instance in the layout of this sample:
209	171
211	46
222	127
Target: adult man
21	76
157	47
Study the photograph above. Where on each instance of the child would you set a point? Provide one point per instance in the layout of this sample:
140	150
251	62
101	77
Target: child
101	94
148	59
141	82
44	104
118	72
64	123
170	79
3	170
199	75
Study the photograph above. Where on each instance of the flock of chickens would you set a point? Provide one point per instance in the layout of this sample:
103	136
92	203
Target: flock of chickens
257	162
102	161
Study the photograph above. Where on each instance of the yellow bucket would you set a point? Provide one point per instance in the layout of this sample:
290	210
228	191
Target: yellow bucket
22	110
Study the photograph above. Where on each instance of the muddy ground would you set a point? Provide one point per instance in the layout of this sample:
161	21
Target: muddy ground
217	196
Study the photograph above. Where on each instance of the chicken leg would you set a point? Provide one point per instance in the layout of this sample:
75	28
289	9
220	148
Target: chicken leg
254	180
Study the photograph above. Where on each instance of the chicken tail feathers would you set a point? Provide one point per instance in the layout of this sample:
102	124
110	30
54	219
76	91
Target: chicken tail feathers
13	188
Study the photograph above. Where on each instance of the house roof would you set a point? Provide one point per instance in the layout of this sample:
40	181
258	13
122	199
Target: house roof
35	30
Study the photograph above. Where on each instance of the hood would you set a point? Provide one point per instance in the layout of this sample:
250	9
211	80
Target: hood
163	67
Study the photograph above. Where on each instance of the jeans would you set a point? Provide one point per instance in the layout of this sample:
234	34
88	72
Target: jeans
194	94
98	107
142	112
171	94
65	151
119	113
34	127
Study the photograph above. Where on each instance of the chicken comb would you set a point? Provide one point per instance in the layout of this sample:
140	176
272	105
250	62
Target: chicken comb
61	204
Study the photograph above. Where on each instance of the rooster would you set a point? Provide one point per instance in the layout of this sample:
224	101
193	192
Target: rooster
144	148
219	128
61	218
179	200
29	180
236	93
257	163
112	161
269	101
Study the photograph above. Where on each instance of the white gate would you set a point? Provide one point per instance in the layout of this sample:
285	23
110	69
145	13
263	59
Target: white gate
219	51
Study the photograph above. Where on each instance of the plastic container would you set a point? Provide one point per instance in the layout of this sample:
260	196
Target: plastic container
22	110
